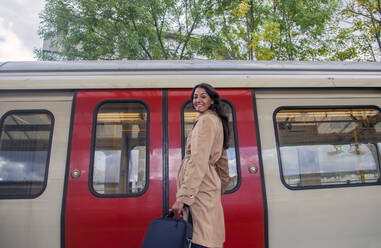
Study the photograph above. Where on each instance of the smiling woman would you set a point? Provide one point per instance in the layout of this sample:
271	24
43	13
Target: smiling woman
204	172
201	100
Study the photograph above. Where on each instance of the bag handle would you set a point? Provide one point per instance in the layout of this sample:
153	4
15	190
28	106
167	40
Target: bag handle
190	220
171	214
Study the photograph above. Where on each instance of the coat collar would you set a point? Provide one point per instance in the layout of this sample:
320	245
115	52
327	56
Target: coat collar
207	112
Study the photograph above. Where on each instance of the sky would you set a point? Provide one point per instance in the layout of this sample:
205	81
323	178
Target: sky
19	23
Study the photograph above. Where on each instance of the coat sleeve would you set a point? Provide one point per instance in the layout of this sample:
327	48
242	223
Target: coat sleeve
203	136
222	167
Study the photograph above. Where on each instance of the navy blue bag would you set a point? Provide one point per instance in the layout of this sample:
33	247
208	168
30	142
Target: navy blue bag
168	232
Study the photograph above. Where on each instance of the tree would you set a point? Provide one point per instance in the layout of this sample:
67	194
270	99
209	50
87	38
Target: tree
124	29
275	29
235	22
213	29
364	23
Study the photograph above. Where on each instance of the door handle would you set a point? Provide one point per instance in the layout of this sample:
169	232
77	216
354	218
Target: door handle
75	173
253	169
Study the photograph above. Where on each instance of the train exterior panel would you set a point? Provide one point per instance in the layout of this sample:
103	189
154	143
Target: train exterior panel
318	214
89	151
32	218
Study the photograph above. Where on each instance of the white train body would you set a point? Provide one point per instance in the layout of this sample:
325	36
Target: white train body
89	151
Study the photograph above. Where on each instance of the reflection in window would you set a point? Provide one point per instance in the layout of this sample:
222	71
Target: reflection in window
190	116
329	146
24	152
120	148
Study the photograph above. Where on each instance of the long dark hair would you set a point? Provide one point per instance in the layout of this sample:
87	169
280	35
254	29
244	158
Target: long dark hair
216	107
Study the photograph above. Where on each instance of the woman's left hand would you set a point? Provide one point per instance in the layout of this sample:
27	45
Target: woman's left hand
177	207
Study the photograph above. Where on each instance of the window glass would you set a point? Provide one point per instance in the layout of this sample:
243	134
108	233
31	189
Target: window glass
120	154
24	152
190	116
329	146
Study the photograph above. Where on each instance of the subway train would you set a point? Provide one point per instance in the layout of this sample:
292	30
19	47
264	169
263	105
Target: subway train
89	151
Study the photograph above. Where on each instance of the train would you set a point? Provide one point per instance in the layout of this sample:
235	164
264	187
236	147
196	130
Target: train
89	151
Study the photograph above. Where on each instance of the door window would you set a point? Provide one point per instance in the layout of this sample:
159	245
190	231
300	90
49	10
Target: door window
120	149
25	143
190	116
329	146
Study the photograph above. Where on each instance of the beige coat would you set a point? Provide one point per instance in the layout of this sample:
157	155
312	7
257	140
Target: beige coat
202	170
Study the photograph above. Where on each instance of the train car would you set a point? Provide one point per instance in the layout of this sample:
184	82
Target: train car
89	151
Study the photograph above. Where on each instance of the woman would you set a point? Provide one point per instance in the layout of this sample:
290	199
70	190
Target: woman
204	172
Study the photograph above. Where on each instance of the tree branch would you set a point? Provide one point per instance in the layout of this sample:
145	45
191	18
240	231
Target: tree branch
140	43
378	40
157	30
361	14
226	33
188	37
195	23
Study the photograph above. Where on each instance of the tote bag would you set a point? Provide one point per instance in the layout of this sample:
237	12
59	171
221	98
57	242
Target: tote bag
168	232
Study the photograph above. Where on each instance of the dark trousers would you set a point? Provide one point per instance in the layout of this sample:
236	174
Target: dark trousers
197	246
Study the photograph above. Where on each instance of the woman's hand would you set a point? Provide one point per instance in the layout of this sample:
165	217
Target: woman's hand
177	207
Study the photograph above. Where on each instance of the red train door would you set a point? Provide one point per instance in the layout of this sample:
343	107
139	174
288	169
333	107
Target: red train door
114	184
243	205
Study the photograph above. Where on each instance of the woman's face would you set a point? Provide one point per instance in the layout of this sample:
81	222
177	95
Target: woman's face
201	100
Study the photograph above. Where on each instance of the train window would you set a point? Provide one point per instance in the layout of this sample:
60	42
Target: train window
329	146
25	142
120	149
190	116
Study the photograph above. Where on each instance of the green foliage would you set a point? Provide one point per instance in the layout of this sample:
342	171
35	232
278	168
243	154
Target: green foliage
213	29
364	17
284	30
275	29
123	29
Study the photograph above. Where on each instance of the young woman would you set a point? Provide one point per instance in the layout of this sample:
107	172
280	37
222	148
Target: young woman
204	173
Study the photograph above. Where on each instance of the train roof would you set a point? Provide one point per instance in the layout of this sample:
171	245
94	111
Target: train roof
185	74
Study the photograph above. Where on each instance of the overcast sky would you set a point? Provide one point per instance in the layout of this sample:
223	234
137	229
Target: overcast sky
18	29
